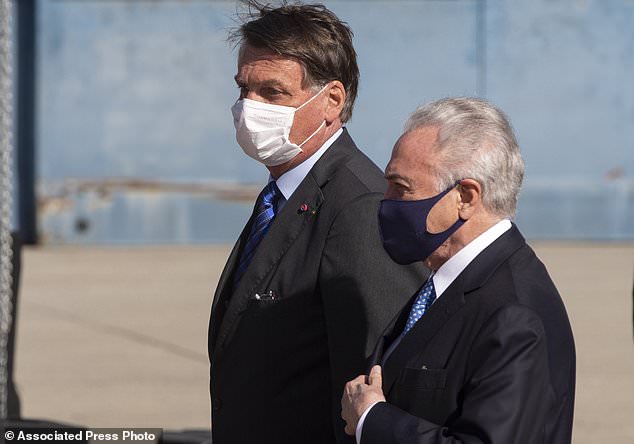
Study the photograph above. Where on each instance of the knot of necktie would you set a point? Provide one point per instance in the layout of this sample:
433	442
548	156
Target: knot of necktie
426	297
263	215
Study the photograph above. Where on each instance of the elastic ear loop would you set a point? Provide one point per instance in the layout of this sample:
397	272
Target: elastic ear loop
311	136
457	224
311	99
306	103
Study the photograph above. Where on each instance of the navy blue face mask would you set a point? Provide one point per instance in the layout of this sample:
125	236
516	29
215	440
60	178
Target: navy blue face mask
404	232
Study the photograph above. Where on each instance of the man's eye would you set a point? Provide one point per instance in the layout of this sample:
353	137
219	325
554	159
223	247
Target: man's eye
400	187
271	92
243	91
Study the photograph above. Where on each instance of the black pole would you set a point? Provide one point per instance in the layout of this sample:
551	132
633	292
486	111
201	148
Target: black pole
25	118
13	401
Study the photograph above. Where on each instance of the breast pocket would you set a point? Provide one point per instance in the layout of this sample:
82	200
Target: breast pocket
423	378
425	393
270	300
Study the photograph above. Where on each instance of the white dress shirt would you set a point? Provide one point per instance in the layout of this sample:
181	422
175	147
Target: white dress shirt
290	180
444	276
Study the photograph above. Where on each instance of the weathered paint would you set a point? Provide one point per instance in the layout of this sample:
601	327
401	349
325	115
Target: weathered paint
140	90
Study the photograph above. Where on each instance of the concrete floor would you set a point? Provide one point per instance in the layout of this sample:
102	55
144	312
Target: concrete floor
113	337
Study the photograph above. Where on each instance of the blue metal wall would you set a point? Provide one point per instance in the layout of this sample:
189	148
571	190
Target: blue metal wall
140	92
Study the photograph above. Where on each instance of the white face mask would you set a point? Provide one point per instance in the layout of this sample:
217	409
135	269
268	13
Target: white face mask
262	130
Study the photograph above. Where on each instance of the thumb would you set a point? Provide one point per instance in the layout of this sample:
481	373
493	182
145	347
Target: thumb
375	378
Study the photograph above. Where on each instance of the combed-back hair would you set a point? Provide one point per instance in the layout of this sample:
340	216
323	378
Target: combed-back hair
475	141
309	33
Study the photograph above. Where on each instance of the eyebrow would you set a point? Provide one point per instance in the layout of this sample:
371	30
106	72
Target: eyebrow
270	82
392	177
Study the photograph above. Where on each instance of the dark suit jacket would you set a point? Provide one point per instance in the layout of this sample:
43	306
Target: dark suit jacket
491	361
278	367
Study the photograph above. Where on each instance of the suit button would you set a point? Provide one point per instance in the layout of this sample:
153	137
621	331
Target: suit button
217	404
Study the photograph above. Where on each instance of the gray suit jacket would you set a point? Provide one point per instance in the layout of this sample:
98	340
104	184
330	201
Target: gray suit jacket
278	367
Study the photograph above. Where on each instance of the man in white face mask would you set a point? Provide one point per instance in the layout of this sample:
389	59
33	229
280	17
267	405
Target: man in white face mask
308	286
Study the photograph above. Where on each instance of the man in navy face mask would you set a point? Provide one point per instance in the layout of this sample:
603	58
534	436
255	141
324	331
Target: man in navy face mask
484	352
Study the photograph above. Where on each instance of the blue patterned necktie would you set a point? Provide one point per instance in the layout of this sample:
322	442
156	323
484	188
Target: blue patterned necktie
426	296
265	209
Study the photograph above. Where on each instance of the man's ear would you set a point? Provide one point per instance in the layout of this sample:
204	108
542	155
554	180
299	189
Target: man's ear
336	95
470	198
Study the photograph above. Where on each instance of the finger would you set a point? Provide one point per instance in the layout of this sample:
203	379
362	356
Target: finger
359	379
353	385
376	378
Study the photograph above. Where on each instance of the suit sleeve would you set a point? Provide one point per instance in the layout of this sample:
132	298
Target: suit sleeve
362	289
505	397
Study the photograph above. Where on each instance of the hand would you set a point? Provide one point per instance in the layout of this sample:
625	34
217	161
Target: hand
358	395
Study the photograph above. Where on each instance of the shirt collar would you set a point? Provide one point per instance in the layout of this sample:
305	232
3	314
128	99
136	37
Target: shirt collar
290	180
449	271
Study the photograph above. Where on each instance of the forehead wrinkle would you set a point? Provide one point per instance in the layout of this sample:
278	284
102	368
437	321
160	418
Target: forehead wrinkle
415	156
274	67
266	73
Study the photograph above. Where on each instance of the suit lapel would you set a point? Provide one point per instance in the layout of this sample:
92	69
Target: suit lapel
286	228
424	330
392	331
474	276
225	285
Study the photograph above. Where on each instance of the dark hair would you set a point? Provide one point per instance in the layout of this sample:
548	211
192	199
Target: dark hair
309	33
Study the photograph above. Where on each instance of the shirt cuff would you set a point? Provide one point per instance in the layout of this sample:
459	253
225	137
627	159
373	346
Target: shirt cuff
362	420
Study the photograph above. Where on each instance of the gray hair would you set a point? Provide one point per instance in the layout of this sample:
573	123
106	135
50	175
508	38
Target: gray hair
475	141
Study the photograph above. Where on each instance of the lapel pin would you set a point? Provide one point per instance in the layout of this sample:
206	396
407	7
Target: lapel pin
306	208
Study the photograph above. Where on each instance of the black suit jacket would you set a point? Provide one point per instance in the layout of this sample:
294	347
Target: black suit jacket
491	361
278	367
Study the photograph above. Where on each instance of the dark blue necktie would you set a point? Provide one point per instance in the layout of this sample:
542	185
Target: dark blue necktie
265	209
425	298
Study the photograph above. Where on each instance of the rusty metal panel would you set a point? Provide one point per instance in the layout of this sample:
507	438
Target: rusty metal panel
135	131
135	97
